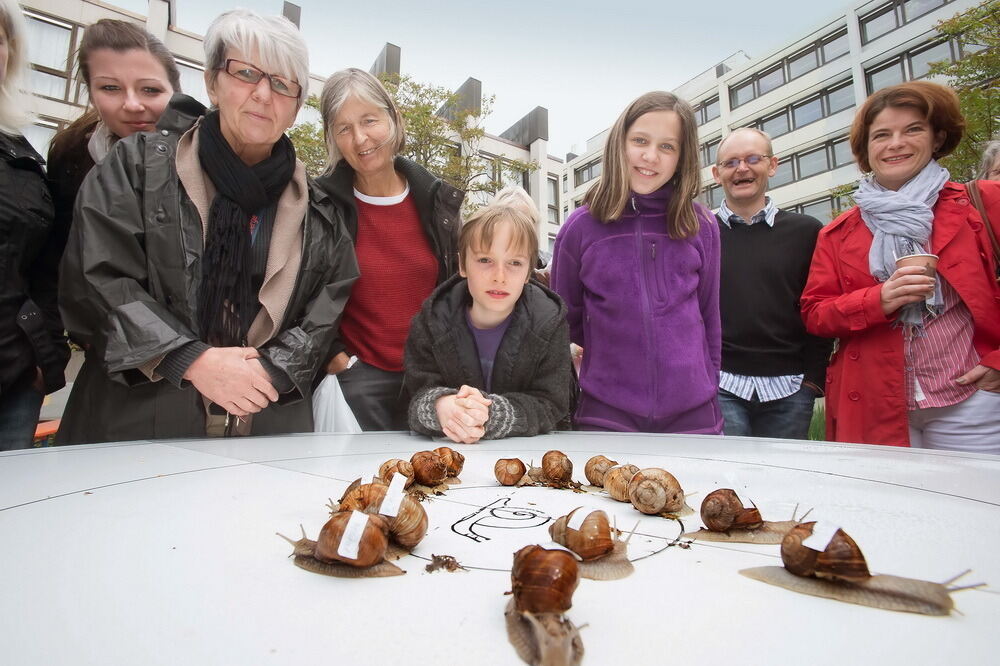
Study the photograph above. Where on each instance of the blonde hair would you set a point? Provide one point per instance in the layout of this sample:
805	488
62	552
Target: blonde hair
478	230
13	93
608	197
354	82
515	196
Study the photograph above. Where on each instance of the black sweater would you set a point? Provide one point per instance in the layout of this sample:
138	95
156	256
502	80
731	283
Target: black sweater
764	270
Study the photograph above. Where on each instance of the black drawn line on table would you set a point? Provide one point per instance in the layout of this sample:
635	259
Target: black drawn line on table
122	483
519	517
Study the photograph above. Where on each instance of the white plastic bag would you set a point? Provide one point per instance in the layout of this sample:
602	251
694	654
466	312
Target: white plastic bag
331	413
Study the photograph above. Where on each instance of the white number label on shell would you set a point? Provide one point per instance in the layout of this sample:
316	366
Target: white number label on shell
350	541
393	496
576	520
822	535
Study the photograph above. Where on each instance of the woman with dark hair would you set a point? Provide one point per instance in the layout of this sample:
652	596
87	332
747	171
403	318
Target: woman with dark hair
202	272
404	223
33	352
917	362
130	76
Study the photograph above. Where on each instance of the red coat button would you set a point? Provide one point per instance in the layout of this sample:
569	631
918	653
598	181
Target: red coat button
962	202
975	226
854	395
853	355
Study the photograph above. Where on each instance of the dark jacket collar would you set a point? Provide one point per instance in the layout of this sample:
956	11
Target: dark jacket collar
16	147
181	113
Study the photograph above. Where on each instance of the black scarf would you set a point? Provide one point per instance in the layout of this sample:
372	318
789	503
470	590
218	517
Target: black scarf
226	302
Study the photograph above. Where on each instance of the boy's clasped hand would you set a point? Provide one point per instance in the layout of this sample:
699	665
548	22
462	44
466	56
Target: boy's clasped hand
463	415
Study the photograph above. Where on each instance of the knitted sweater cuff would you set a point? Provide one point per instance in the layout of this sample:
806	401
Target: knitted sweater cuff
423	409
502	417
176	363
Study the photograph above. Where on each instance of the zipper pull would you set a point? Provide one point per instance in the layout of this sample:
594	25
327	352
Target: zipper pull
634	207
654	250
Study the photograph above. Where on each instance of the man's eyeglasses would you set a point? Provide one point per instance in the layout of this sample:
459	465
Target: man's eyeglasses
244	71
751	160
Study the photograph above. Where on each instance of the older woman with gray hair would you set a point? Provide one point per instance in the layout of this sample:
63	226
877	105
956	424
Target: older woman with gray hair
404	223
203	273
989	168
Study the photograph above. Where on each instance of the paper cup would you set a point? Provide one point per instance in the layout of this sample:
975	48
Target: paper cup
927	261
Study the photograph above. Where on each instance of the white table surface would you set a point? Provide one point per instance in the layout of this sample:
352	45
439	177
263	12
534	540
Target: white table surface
165	553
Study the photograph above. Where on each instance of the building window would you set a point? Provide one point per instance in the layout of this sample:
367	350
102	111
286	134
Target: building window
587	172
836	46
822	209
553	200
892	15
40	134
710	151
741	94
552	243
565	183
812	162
770	80
808	163
49	43
192	79
714	196
707	110
776	125
805	61
807	112
565	212
839	99
842	153
920	61
887	75
783	174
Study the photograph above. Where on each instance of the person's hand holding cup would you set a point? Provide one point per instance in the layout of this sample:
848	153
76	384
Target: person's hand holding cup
913	281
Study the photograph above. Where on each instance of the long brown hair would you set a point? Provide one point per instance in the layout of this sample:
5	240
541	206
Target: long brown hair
609	196
119	36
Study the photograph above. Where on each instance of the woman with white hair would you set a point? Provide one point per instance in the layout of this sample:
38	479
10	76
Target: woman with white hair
404	222
33	352
204	275
989	168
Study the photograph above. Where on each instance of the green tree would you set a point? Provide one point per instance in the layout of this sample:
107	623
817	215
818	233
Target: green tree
448	144
308	141
975	78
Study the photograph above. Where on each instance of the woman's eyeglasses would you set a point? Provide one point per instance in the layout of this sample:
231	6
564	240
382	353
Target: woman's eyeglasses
244	71
751	160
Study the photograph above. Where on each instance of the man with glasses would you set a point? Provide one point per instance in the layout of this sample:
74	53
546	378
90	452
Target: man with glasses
772	370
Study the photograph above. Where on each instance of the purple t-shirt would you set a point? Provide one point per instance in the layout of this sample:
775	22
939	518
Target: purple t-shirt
487	343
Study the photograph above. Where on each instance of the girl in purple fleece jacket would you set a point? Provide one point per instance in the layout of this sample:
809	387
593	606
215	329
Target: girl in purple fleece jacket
638	267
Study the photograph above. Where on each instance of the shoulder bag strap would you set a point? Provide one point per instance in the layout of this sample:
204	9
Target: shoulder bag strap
977	201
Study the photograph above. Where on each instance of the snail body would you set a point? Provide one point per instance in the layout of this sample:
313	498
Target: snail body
596	468
429	469
616	481
509	471
543	639
556	466
407	527
591	540
840	572
304	552
654	491
543	580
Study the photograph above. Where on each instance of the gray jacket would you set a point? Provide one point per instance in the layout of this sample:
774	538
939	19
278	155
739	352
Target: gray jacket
128	287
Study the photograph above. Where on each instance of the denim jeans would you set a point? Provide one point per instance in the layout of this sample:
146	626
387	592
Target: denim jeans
785	418
19	409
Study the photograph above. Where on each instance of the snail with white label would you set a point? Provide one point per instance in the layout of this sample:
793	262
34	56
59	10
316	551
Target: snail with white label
822	560
589	534
350	545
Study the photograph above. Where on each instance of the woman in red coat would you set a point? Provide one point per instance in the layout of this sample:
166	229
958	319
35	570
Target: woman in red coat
917	362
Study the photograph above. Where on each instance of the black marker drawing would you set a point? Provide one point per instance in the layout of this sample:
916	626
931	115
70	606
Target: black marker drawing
497	515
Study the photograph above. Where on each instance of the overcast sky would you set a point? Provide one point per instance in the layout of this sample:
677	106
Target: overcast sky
582	60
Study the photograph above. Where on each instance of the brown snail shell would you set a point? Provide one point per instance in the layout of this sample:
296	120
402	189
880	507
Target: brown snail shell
595	469
509	471
543	580
304	553
654	491
407	527
722	510
616	481
556	466
592	540
394	466
428	468
840	560
453	460
373	541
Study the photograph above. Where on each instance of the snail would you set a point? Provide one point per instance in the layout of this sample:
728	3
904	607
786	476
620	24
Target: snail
841	572
453	460
726	519
655	491
543	582
391	467
322	556
616	481
595	469
556	466
428	468
409	524
592	538
509	471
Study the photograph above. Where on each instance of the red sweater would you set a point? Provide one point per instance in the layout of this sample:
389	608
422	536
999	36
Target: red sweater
398	271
